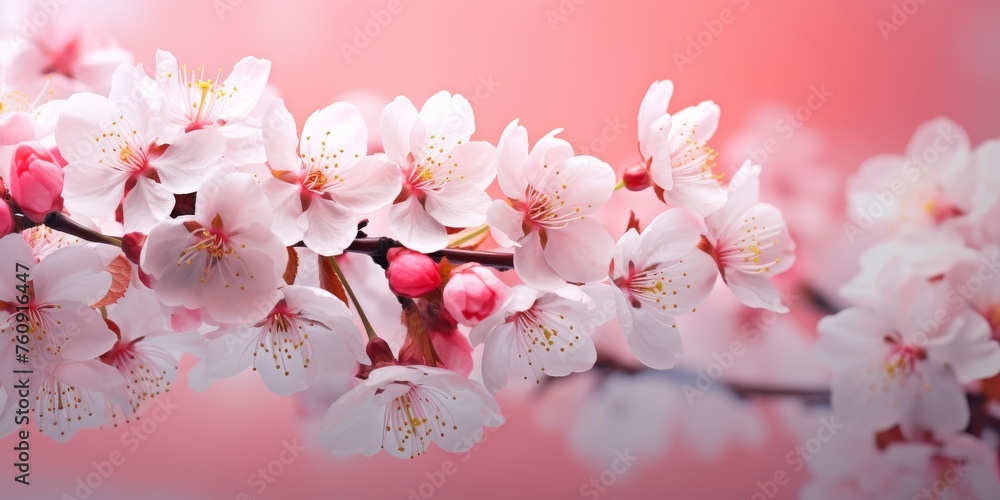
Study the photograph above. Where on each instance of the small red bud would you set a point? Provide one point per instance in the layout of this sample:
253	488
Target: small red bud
636	178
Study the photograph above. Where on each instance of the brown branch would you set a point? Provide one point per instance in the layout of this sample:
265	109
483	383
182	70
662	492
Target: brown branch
375	247
378	247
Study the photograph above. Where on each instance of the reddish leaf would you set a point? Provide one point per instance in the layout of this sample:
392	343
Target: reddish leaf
417	349
329	281
991	388
293	266
121	277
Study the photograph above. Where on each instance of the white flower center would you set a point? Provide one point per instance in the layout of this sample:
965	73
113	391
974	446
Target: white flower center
213	252
282	338
418	417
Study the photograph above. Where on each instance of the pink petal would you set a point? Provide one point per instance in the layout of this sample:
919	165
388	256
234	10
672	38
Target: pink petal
334	134
398	118
533	268
448	116
653	106
505	223
189	160
147	204
458	207
245	86
755	291
74	273
670	236
330	227
512	156
415	228
280	138
369	184
563	251
92	189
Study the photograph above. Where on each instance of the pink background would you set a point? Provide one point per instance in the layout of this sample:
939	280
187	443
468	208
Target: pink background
589	69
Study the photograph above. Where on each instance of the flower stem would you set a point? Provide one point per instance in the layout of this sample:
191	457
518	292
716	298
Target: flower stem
472	235
354	299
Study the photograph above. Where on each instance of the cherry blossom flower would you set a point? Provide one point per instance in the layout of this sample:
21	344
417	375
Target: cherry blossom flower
308	331
61	290
987	201
192	101
317	191
975	283
67	58
147	351
658	275
403	409
955	466
750	242
445	176
547	217
902	360
675	153
77	395
535	333
934	183
928	254
223	259
116	160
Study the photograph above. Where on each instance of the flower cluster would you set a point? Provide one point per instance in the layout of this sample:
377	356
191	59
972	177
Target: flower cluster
183	211
925	323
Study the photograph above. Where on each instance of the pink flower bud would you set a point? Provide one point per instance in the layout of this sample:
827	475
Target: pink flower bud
36	181
132	246
6	219
472	294
411	274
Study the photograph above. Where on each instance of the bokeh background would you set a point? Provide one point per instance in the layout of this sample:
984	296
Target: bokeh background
580	65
